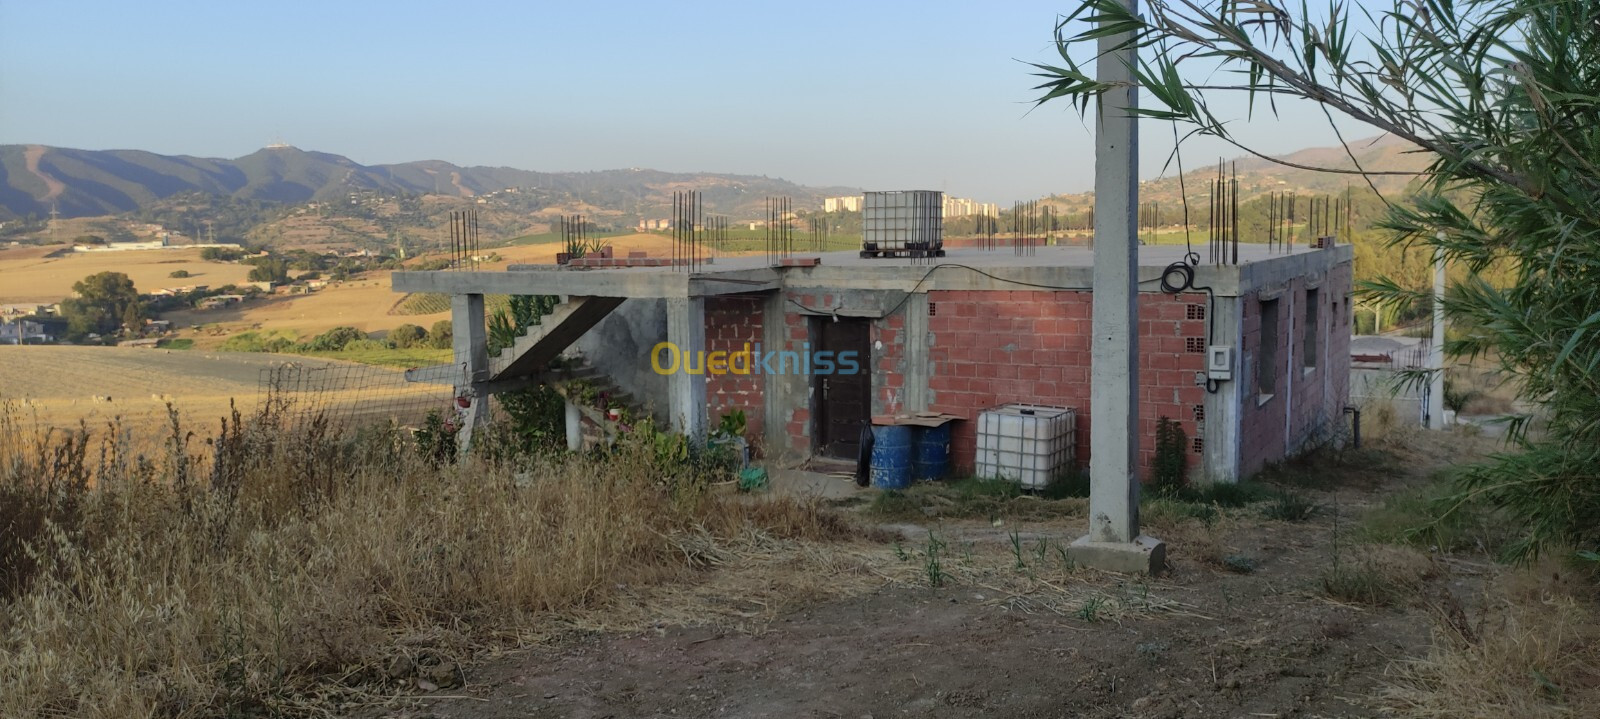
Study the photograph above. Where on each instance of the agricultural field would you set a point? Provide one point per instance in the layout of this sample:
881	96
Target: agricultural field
57	386
367	304
29	275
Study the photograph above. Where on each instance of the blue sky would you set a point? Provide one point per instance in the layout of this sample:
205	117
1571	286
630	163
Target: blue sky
880	95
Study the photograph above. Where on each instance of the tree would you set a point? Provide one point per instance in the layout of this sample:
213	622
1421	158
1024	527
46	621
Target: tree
1502	93
441	335
103	302
270	269
335	339
178	274
407	336
219	254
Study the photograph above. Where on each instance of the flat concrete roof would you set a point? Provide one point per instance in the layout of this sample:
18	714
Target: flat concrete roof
961	268
1058	256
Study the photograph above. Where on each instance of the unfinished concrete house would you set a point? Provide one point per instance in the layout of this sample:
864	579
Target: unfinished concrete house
1251	359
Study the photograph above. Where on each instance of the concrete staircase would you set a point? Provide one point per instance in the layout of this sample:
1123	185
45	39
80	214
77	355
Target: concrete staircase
554	333
594	394
538	345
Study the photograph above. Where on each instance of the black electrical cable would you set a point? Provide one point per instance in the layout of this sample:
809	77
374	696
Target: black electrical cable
1179	277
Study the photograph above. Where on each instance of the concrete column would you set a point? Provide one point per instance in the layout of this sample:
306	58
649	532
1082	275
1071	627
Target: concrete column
1224	407
779	396
1436	347
918	367
574	426
1113	541
470	341
686	330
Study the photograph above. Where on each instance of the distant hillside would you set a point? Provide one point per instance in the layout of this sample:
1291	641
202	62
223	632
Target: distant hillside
1258	176
79	183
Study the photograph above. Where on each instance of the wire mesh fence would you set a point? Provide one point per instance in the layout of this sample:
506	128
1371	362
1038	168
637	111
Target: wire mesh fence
147	397
350	395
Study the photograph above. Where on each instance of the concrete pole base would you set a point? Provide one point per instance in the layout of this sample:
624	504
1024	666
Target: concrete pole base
574	422
1144	555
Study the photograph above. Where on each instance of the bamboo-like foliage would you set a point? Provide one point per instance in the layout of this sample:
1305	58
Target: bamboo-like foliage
1505	95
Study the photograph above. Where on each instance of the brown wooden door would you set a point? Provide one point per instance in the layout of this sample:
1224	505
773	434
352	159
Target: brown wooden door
844	403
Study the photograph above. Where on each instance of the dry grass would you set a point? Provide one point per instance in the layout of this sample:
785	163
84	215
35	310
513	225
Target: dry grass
1377	574
1532	651
280	565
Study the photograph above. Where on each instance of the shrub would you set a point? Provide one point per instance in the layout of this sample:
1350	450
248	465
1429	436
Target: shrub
365	345
335	339
178	273
441	335
407	336
1171	466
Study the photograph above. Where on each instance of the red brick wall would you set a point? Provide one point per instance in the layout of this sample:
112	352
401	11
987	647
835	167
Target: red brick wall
998	347
732	322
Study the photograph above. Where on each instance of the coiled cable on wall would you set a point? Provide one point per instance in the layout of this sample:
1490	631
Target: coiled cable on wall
1179	277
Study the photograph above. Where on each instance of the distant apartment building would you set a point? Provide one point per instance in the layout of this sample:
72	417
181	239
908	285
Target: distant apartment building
963	207
654	225
953	206
848	203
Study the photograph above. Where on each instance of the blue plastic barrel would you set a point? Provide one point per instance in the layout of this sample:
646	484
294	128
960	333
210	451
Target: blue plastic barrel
930	453
891	457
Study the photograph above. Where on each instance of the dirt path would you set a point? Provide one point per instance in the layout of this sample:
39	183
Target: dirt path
955	654
1240	627
54	187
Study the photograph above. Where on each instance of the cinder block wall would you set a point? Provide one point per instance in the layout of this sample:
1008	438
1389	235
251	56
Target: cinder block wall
997	347
734	324
1306	404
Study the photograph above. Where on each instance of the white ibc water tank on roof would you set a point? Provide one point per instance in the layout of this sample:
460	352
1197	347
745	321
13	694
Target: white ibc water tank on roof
1026	443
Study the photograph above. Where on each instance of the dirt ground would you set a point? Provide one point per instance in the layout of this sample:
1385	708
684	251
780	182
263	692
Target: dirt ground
1239	627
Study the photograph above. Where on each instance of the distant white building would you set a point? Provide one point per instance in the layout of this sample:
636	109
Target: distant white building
953	206
19	332
963	207
848	203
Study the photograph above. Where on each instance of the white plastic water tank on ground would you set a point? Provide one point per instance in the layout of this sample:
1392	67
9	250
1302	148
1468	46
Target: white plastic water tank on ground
1026	443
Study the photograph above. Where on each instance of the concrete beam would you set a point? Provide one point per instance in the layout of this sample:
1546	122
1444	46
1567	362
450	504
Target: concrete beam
686	330
634	282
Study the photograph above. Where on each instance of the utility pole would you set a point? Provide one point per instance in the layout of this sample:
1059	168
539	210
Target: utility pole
1436	346
1113	542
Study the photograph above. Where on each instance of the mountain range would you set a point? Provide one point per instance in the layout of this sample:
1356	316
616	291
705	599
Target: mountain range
36	179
